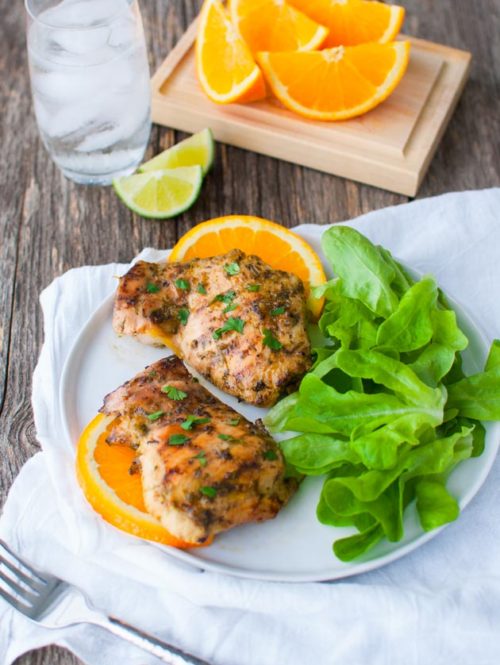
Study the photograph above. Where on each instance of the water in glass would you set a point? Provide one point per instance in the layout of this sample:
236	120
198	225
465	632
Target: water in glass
90	83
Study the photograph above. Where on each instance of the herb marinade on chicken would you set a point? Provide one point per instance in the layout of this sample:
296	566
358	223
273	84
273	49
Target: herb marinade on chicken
237	321
204	467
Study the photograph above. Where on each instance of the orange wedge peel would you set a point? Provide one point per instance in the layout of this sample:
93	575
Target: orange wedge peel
279	247
337	83
352	22
103	472
225	67
274	25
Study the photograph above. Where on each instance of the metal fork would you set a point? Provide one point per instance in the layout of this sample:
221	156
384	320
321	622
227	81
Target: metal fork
54	603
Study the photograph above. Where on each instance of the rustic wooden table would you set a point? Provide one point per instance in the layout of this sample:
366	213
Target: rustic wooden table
48	224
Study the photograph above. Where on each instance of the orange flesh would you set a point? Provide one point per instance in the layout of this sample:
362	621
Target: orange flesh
224	64
268	246
352	22
337	83
279	247
103	472
273	25
114	463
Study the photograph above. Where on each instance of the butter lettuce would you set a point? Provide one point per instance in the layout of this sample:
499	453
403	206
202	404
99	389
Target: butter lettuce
386	412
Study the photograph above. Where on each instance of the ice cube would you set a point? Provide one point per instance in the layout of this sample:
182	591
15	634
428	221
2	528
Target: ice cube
83	13
63	86
134	114
83	42
77	119
123	33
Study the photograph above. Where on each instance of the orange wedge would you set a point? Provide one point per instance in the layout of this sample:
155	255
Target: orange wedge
279	247
338	83
352	22
224	64
273	25
103	472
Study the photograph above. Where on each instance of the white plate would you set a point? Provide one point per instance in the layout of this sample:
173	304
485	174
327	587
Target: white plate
294	546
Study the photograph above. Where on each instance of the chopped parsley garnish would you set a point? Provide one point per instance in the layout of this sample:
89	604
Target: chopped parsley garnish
192	421
152	288
177	439
271	341
182	284
230	308
277	311
270	455
174	393
202	458
232	268
226	298
253	287
201	289
209	491
155	415
229	437
183	315
232	323
234	421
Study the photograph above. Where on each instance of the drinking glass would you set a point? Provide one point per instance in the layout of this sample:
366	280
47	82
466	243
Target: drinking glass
90	83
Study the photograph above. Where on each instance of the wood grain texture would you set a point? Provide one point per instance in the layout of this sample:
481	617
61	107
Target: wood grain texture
390	147
48	224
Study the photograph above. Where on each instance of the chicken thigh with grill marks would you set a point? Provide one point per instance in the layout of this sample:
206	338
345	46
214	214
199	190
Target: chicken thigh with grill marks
234	319
205	468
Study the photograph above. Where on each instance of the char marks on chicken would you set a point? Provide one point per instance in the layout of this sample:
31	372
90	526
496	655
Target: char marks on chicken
237	321
205	468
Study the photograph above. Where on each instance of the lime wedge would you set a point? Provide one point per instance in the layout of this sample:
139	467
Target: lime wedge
197	149
160	194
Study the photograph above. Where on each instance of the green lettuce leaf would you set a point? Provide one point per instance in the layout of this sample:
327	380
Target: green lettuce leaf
410	326
387	411
352	547
446	330
478	396
352	324
493	360
364	273
433	364
401	281
321	409
435	505
317	451
438	456
386	508
392	374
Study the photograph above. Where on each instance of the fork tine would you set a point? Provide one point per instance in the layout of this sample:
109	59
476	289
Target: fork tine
29	581
20	607
21	591
22	562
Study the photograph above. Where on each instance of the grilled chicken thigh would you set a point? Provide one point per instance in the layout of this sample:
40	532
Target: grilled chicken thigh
205	469
237	321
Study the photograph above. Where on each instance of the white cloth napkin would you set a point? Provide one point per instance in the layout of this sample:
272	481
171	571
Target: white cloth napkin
440	604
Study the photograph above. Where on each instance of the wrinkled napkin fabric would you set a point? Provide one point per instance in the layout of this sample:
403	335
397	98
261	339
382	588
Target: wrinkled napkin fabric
437	605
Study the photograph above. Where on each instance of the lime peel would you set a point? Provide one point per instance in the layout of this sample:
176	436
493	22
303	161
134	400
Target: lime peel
198	149
160	194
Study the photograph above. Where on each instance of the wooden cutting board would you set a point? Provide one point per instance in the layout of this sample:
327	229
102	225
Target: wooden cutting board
390	147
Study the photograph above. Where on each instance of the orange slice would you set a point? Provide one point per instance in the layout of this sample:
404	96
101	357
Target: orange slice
273	25
224	64
103	472
279	247
352	22
338	83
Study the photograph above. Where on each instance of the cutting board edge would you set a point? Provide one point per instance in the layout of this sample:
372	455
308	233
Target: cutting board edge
402	174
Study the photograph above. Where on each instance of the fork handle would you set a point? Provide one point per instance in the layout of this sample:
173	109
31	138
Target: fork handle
165	652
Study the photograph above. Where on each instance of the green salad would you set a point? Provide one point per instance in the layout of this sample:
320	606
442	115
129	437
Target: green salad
386	412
